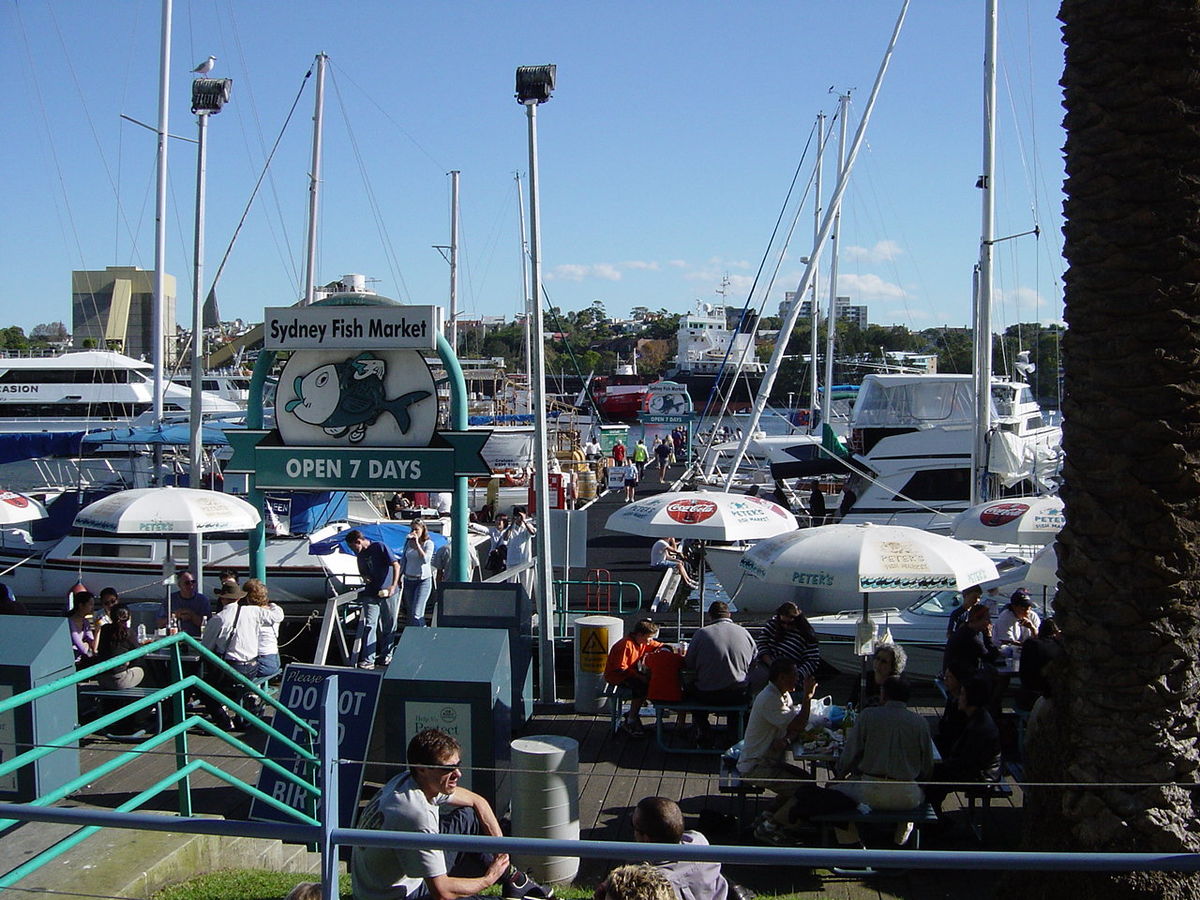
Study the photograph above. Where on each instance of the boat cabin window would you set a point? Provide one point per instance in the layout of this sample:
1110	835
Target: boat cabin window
937	603
65	376
114	550
937	484
181	556
913	403
73	410
1033	422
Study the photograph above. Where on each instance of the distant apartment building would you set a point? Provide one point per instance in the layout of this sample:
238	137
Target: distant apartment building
842	309
113	309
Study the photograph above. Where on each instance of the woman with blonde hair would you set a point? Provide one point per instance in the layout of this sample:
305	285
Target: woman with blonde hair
268	627
635	882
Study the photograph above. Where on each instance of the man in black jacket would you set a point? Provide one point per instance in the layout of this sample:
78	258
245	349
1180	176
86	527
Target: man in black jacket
975	757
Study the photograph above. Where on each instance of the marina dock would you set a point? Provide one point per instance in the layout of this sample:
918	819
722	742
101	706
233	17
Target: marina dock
615	772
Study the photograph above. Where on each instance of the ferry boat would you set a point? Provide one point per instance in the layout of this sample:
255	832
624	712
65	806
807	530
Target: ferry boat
86	390
708	349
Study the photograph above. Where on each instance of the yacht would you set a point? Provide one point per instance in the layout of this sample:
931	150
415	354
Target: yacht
911	439
85	390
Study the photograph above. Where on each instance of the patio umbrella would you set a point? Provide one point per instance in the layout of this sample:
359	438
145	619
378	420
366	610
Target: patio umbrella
1020	520
870	559
1043	569
703	516
16	508
168	511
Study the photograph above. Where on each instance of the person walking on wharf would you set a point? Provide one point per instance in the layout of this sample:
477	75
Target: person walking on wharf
380	571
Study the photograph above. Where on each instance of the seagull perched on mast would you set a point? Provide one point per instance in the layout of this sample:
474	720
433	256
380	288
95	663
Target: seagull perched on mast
205	67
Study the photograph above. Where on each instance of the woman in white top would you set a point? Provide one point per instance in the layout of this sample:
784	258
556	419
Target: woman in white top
269	617
416	567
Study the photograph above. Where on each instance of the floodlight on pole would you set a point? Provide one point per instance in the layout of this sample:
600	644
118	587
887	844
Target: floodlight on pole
208	96
534	86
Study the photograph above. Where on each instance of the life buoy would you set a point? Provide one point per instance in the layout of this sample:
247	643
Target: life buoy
518	479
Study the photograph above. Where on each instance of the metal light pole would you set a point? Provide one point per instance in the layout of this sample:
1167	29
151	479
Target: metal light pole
208	96
534	86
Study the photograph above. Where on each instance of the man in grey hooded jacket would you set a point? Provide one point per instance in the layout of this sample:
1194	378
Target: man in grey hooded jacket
658	820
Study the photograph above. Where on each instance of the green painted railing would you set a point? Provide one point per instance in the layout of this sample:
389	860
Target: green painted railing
562	601
174	696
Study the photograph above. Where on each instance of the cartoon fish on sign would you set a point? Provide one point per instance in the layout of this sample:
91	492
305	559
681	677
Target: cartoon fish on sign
348	397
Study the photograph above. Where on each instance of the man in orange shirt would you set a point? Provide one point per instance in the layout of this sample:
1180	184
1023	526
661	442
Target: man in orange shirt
625	668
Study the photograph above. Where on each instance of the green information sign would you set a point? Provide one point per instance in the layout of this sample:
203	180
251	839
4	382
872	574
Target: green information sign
276	466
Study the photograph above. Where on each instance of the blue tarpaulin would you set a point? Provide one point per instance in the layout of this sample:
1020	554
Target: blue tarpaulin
394	534
210	435
31	445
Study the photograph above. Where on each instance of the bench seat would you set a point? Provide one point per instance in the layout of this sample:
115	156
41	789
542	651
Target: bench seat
735	714
919	815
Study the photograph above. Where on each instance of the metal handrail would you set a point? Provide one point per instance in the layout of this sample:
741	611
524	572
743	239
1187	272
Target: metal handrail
562	599
329	835
177	733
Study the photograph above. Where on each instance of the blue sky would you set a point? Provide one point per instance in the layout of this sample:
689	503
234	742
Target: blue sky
666	152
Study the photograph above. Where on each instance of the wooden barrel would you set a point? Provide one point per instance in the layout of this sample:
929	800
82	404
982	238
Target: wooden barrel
587	485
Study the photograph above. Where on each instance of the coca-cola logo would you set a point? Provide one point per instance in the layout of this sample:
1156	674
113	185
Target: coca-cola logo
16	500
691	512
1002	513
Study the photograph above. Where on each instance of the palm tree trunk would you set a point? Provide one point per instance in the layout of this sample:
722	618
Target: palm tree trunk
1124	722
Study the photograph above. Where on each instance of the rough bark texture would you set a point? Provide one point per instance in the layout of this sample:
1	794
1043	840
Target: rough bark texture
1125	711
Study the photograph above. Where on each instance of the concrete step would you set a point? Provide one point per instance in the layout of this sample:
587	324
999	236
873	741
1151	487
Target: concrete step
117	862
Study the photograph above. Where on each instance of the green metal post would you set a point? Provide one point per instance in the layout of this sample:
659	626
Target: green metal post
460	538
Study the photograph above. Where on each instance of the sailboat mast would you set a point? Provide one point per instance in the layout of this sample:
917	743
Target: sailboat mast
831	321
527	331
814	307
764	391
160	215
314	183
983	302
452	331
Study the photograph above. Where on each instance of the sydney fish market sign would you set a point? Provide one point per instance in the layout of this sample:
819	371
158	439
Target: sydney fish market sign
349	418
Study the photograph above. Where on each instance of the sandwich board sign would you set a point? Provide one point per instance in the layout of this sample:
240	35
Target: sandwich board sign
300	692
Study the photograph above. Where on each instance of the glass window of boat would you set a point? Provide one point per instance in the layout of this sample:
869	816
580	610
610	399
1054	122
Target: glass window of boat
65	376
937	603
73	410
936	484
181	555
913	404
114	550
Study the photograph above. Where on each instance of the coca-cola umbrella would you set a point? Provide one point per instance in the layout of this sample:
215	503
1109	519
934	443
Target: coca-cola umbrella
16	508
1018	520
702	516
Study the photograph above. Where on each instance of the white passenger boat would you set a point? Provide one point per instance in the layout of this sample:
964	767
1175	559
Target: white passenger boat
84	391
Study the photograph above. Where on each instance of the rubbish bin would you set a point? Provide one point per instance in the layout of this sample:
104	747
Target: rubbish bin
545	801
594	637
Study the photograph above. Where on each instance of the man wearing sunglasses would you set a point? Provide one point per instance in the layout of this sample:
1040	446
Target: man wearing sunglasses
188	605
428	799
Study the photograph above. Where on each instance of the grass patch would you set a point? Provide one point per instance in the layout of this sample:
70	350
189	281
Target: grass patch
241	884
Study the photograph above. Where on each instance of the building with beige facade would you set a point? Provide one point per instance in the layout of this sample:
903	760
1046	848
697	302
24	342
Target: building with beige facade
113	308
